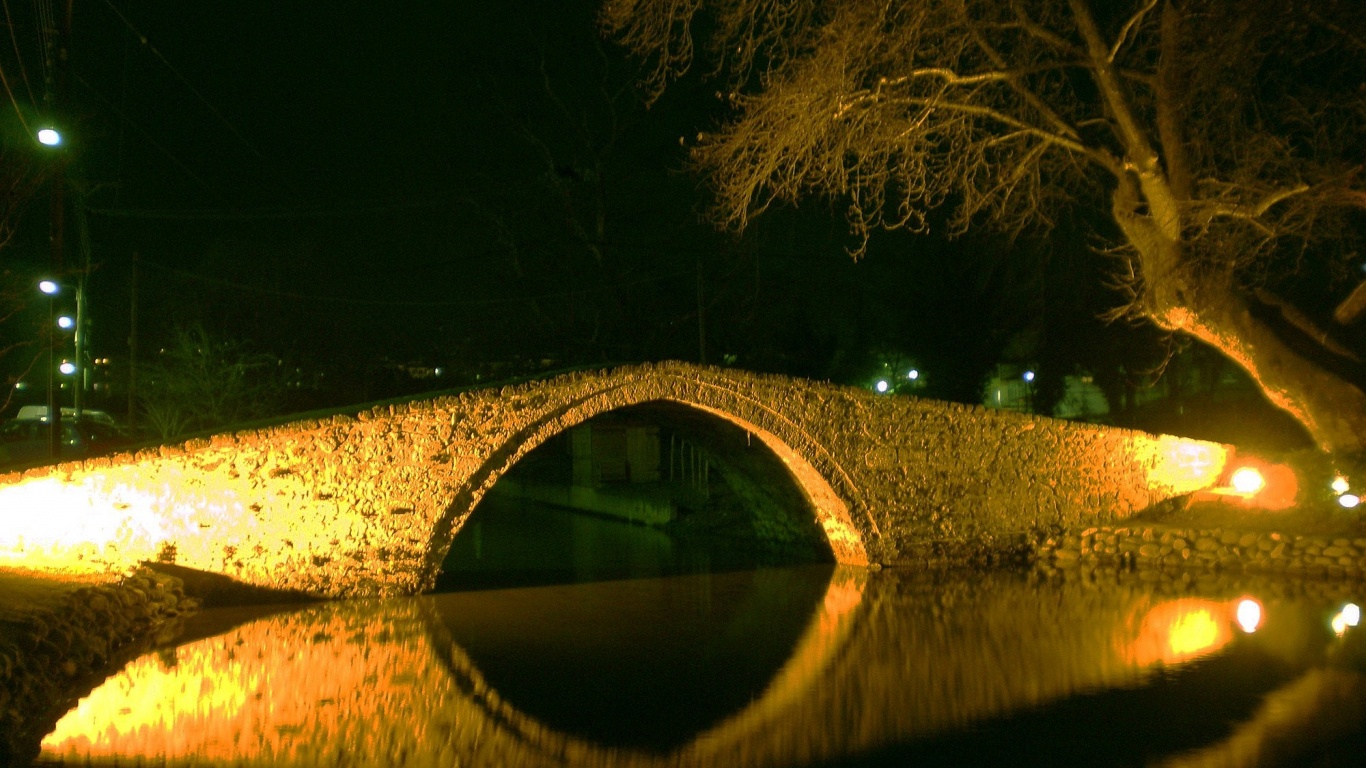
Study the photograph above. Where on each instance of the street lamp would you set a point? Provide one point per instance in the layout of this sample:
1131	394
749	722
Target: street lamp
49	137
52	289
54	411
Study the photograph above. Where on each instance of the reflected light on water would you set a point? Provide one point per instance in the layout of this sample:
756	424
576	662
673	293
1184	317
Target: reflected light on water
1181	630
262	694
351	684
1249	614
883	659
1348	617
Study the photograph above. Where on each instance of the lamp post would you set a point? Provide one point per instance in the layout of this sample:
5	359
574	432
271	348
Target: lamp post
54	410
56	322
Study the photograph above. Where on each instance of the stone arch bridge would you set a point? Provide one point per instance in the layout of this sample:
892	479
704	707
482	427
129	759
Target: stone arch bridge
368	503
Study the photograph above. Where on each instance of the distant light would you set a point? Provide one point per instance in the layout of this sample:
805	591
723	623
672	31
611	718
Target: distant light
913	374
66	323
21	385
1340	485
67	367
49	287
1028	375
1247	481
882	385
49	137
1249	615
440	371
1349	500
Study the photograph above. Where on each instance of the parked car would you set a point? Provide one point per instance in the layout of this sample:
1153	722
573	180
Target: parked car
39	412
26	441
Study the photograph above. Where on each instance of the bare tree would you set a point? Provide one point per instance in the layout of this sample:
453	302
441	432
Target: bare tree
200	382
20	181
1220	145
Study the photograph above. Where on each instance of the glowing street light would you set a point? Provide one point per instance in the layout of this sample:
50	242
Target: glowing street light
1247	481
1028	376
913	374
50	287
49	137
67	367
66	322
882	386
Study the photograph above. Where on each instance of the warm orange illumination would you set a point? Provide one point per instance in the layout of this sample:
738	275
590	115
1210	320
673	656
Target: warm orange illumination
1255	483
301	688
1181	630
1177	465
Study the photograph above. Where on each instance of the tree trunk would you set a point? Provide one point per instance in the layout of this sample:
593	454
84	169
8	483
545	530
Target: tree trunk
1331	408
1208	306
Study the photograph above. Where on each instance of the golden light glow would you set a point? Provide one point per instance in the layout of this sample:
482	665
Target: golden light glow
1247	480
1256	483
1178	465
1181	630
49	524
302	688
1249	614
1340	485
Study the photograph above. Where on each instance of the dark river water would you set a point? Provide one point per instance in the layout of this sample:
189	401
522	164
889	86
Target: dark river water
690	664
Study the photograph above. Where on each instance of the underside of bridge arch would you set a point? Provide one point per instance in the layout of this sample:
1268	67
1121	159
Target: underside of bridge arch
684	474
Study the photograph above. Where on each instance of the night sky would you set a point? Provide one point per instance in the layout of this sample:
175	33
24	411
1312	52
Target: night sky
476	186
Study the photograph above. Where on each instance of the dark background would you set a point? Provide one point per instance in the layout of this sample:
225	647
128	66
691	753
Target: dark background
372	192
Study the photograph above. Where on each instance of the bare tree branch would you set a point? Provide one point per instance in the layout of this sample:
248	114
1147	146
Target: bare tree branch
1128	27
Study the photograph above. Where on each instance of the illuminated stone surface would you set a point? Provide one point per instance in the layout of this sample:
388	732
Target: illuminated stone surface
368	504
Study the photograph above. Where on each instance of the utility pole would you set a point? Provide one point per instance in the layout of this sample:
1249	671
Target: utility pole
133	349
701	317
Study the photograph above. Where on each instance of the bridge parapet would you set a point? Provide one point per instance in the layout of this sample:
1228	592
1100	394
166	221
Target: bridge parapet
368	504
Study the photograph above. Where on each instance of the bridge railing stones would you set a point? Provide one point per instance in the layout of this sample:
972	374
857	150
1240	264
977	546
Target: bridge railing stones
368	505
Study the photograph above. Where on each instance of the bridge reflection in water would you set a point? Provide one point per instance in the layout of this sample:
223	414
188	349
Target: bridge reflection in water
931	669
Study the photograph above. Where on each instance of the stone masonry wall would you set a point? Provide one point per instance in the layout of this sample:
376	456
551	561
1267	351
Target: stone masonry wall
367	504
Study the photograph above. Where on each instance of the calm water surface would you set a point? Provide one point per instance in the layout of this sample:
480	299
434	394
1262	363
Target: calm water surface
769	667
578	641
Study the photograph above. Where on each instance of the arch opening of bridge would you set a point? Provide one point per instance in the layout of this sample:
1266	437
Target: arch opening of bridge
720	486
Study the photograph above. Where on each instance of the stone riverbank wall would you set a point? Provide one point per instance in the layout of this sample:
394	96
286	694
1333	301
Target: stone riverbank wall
367	503
1210	550
51	657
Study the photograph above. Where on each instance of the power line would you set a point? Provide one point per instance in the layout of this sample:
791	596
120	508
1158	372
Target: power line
390	303
299	212
15	103
18	56
47	26
129	121
184	81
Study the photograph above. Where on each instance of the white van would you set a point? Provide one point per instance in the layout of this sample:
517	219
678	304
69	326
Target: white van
39	412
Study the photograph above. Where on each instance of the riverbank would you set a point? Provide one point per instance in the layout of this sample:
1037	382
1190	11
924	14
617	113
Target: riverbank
59	636
1312	542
